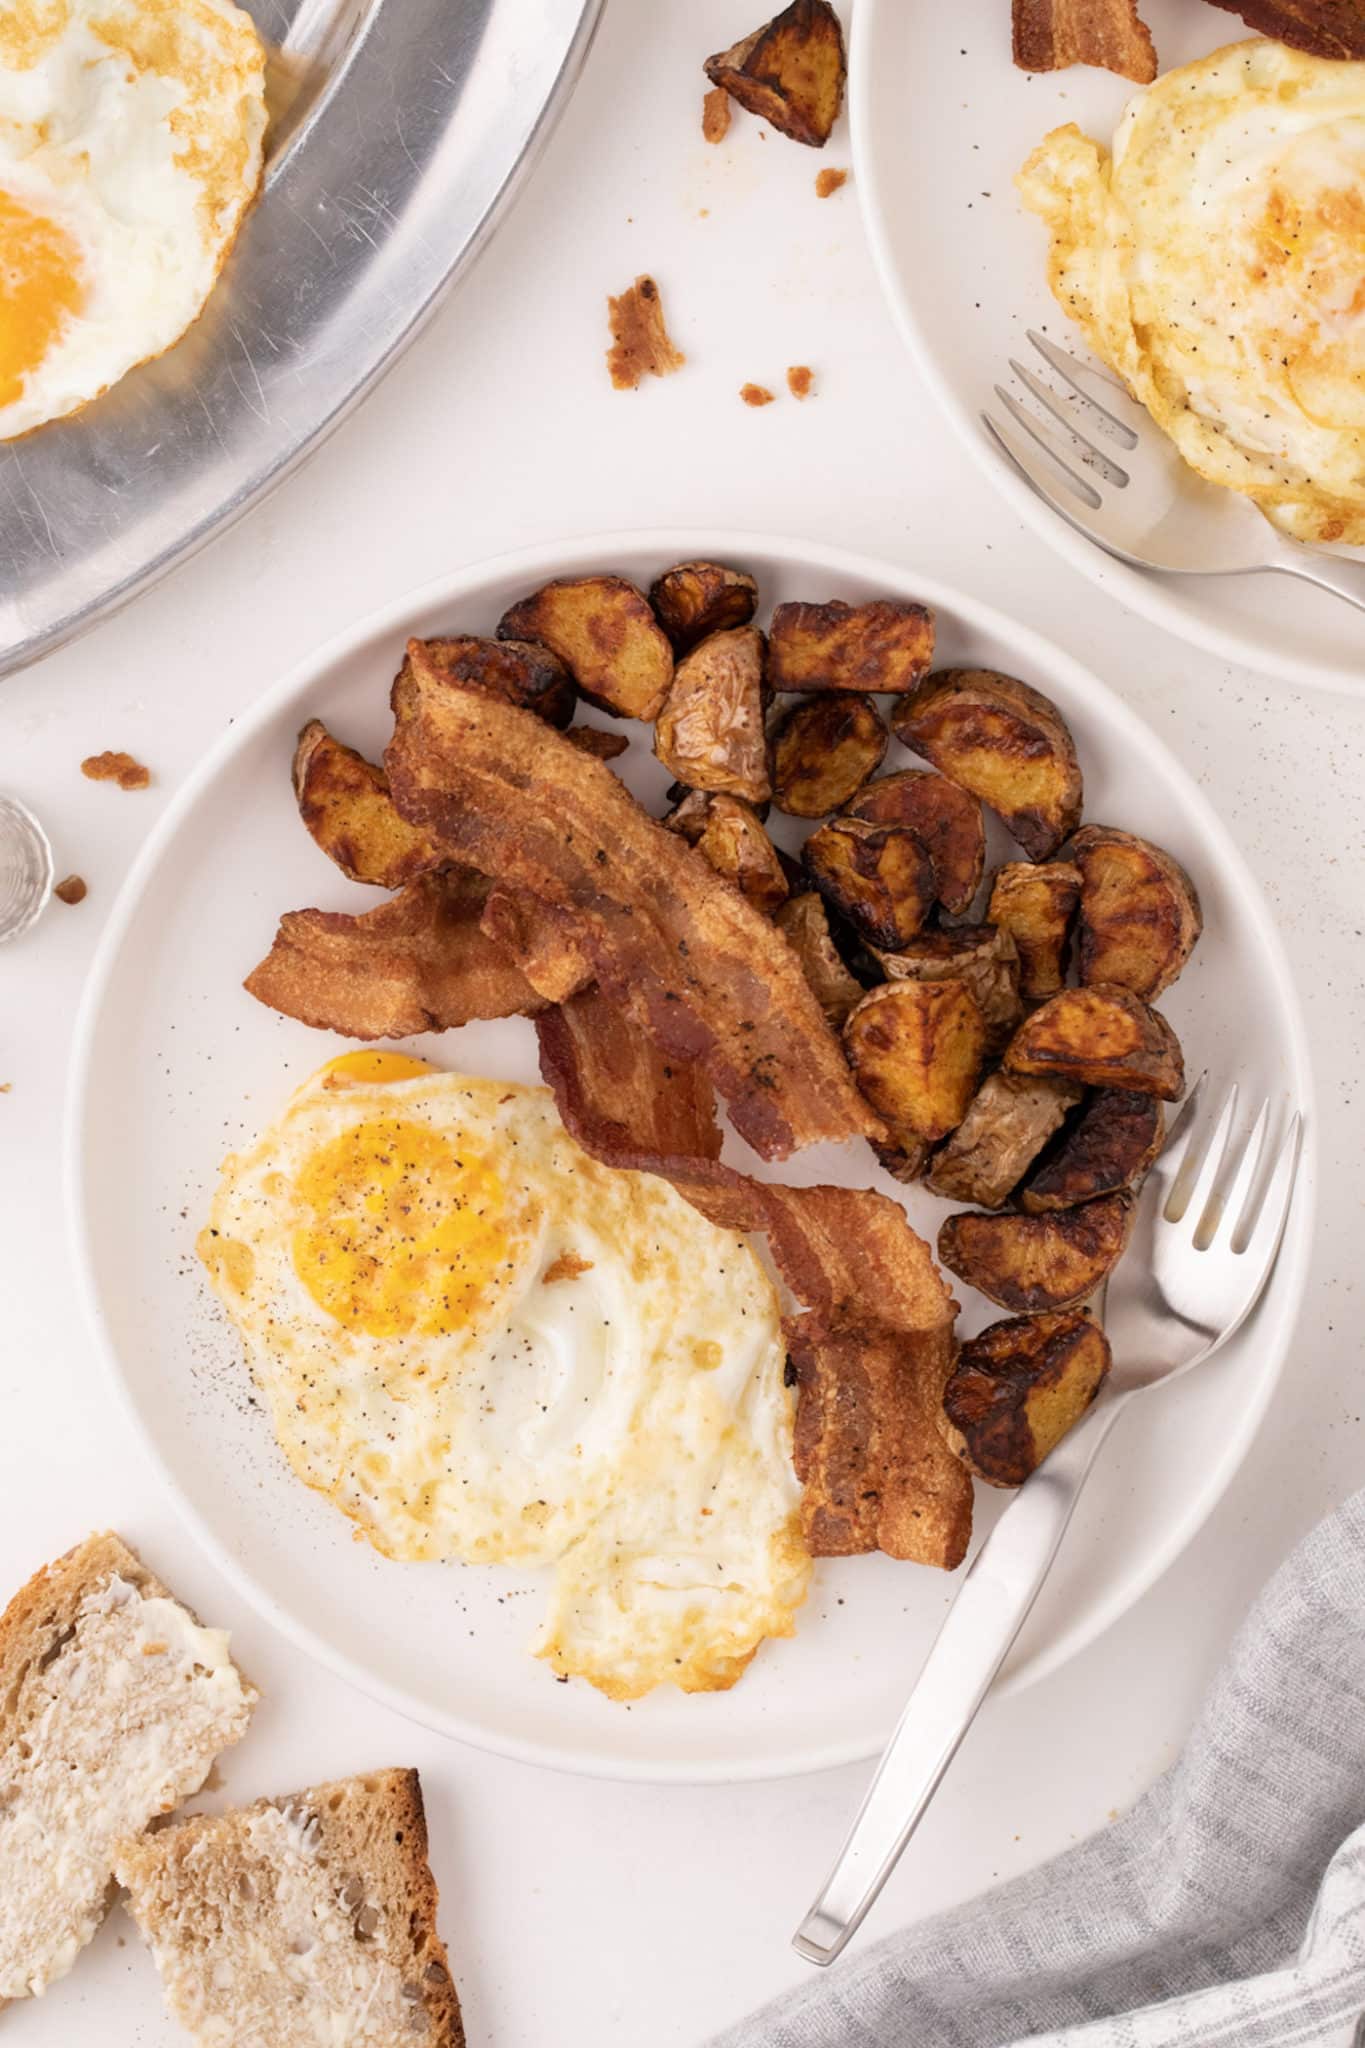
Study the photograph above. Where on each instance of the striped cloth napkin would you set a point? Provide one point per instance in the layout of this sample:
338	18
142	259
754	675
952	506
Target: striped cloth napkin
1227	1910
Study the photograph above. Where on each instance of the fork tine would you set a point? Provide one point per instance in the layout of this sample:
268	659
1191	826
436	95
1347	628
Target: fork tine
1261	1241
1173	1168
1086	492
1202	1164
1066	366
1052	402
1235	1200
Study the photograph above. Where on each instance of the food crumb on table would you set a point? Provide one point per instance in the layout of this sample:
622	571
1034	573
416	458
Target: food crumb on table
116	767
756	394
72	890
828	181
715	114
640	344
800	380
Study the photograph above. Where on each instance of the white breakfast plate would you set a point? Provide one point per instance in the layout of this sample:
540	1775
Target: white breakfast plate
174	1065
941	121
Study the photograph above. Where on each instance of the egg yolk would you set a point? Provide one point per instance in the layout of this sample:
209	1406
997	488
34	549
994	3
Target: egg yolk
40	290
406	1232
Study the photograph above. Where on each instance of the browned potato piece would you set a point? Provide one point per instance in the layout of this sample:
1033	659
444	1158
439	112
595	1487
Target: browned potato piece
697	598
823	750
947	819
789	72
1109	1151
877	876
1006	743
803	923
603	746
916	1048
515	670
1140	914
710	732
736	846
1036	905
886	645
1018	1387
604	632
1010	1119
345	803
981	955
1029	1263
1104	1038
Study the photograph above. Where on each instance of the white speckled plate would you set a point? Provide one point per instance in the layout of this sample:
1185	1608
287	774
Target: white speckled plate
941	121
175	1064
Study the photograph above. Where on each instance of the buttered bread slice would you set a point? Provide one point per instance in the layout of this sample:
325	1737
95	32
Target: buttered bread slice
299	1922
114	1703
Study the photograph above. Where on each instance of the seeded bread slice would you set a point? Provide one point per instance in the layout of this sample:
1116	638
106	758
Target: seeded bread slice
299	1920
114	1703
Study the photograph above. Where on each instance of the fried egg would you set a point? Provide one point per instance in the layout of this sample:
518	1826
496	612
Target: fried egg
130	147
1216	261
481	1344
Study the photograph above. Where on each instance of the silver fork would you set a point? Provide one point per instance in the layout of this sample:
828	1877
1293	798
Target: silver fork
1205	1238
1096	456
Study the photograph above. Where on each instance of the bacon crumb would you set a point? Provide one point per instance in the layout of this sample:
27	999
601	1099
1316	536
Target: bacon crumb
829	181
715	114
72	890
800	380
755	394
640	345
119	768
567	1266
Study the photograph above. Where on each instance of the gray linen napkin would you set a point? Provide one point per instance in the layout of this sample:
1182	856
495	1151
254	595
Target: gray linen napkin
1227	1908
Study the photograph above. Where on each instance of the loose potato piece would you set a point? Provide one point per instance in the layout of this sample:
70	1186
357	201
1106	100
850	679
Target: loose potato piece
824	749
981	955
877	876
344	801
886	645
916	1049
1104	1038
604	632
1006	743
697	598
710	732
1029	1263
1036	905
947	819
789	72
1016	1390
1010	1119
1109	1151
1140	915
803	923
736	846
532	677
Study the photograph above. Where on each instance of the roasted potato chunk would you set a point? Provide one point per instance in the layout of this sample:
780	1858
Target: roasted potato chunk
790	72
804	925
823	750
886	645
946	818
710	732
736	846
345	803
604	632
1140	915
1006	743
698	598
1037	1263
514	670
1036	906
1108	1152
1016	1390
877	876
916	1049
981	955
1010	1119
1104	1038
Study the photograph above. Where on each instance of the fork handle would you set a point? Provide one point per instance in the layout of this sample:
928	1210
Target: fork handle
1329	572
982	1623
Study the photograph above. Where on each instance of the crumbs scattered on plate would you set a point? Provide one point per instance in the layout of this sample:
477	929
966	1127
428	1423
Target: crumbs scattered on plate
72	890
800	380
640	345
755	394
119	768
828	181
715	114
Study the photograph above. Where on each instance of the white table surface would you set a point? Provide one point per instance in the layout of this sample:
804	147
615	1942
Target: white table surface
590	1914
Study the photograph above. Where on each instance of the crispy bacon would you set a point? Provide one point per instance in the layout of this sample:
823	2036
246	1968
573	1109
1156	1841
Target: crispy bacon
1049	35
543	942
696	966
874	1348
420	962
1325	28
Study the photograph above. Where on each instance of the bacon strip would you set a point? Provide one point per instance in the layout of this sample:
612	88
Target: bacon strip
543	942
697	967
1049	35
872	1352
420	962
1325	28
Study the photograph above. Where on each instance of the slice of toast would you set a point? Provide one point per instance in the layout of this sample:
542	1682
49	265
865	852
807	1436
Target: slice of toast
298	1920
114	1703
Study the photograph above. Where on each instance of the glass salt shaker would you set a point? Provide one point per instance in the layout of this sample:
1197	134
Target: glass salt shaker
25	868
